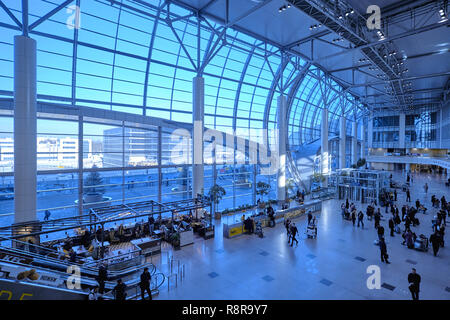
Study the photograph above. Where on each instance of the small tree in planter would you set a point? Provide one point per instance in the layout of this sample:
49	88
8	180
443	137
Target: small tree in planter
262	189
93	191
216	194
361	162
175	240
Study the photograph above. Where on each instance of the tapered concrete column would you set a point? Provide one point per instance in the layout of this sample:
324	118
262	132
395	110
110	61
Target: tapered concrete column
342	136
25	170
401	131
282	141
363	141
198	91
407	165
354	142
324	144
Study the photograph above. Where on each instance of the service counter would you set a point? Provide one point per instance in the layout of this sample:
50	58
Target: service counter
148	245
236	228
186	237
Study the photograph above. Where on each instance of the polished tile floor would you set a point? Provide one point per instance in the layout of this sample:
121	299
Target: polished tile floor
333	266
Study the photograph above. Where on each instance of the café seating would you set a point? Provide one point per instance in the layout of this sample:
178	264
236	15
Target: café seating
112	237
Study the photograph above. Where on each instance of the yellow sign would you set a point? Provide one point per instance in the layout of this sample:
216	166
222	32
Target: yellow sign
234	231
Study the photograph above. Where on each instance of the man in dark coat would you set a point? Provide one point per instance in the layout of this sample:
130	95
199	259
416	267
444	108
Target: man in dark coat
101	278
294	232
435	240
119	290
380	232
360	219
391	226
408	196
383	251
414	284
377	218
145	284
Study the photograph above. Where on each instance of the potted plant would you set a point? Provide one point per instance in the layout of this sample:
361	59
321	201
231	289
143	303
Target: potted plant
361	162
175	240
216	194
262	189
93	191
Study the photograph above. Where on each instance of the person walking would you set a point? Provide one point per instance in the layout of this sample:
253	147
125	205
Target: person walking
47	215
391	226
383	251
435	240
408	195
414	284
377	218
287	224
360	219
101	278
145	284
395	194
294	232
425	188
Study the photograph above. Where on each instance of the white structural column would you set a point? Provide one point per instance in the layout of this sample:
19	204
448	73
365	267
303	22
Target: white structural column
198	91
324	144
282	141
407	165
342	136
370	132
401	129
354	142
25	170
363	141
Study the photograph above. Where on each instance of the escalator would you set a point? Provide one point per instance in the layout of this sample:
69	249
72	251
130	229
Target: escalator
39	256
36	274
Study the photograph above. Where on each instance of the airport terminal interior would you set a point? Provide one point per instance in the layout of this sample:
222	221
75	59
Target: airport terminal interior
224	149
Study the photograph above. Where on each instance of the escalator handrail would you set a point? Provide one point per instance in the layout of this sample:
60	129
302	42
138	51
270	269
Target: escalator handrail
93	271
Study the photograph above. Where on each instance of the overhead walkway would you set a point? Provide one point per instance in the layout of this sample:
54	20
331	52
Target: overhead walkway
441	162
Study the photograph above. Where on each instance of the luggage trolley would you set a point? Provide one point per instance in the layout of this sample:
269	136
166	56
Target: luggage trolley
311	229
421	243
